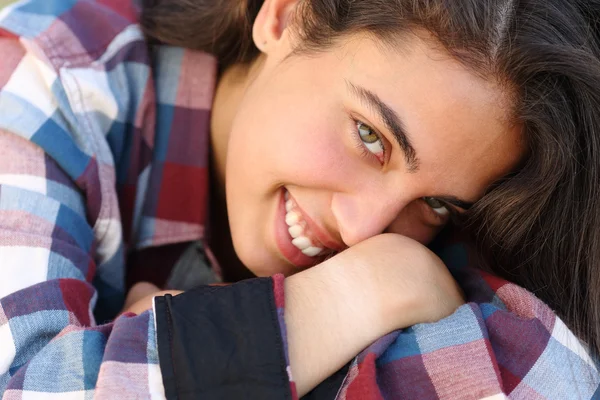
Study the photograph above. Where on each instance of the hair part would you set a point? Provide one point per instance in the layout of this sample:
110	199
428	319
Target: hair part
540	226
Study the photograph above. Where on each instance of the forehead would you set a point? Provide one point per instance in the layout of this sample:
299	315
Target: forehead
459	123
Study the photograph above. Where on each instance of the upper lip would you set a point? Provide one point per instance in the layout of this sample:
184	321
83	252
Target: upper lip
322	234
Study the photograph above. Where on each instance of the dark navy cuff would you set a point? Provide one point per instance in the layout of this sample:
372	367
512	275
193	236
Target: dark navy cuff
222	342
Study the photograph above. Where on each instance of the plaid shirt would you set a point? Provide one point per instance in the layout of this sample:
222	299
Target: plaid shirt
103	150
99	154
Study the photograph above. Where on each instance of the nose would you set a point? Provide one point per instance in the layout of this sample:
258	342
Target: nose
360	216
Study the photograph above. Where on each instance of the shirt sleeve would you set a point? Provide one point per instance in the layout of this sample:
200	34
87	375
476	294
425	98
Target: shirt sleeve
49	343
504	343
62	249
225	342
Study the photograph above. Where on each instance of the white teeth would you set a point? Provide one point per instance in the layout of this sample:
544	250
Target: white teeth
312	251
302	242
295	231
292	218
289	205
286	195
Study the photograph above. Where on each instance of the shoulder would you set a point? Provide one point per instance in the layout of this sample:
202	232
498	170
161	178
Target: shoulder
74	33
69	27
77	65
82	84
65	85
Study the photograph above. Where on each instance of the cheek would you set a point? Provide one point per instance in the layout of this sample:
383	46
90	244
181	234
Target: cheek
302	152
290	126
315	148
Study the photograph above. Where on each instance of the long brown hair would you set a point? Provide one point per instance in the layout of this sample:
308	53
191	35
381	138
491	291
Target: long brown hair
540	226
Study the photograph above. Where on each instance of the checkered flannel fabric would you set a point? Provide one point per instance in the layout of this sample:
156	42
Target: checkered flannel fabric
99	154
103	150
503	344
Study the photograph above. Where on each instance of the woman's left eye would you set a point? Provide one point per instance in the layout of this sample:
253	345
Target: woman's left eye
437	206
371	140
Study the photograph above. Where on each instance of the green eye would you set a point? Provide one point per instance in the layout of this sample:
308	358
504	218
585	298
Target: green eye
436	205
371	140
366	133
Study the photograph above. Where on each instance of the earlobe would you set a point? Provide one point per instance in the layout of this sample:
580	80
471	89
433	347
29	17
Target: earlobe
271	22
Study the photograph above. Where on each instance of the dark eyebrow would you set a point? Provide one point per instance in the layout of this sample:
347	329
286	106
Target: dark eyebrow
465	205
392	122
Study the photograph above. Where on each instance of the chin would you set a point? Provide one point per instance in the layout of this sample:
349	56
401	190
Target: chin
269	268
261	263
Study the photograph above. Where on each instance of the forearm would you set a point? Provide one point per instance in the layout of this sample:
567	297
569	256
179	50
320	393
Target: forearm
330	319
338	308
327	323
332	312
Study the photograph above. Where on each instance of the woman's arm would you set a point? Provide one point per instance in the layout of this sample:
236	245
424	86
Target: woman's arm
332	312
338	308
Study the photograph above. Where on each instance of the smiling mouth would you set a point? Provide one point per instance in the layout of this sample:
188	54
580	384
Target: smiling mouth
299	231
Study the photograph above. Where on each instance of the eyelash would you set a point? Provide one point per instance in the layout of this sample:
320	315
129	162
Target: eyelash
437	216
453	215
361	144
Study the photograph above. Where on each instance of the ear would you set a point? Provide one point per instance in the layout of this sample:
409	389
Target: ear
271	23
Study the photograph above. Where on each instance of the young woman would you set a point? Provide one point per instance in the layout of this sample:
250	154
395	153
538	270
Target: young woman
344	136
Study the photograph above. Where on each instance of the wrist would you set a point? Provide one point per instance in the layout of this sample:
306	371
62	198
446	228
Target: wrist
329	320
359	291
384	281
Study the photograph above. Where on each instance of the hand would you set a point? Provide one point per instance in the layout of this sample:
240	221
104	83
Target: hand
140	296
339	307
406	281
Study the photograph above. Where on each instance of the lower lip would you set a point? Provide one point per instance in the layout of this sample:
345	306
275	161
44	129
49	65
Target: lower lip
284	240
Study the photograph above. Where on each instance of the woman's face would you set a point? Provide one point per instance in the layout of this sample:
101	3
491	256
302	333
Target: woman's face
361	140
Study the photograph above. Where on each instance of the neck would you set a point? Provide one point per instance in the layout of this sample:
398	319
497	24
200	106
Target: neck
228	96
220	236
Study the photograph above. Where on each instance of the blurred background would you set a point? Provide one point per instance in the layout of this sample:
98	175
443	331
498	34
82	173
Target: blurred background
5	2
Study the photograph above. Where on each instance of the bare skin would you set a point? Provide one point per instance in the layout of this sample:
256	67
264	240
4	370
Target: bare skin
139	298
312	127
291	124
